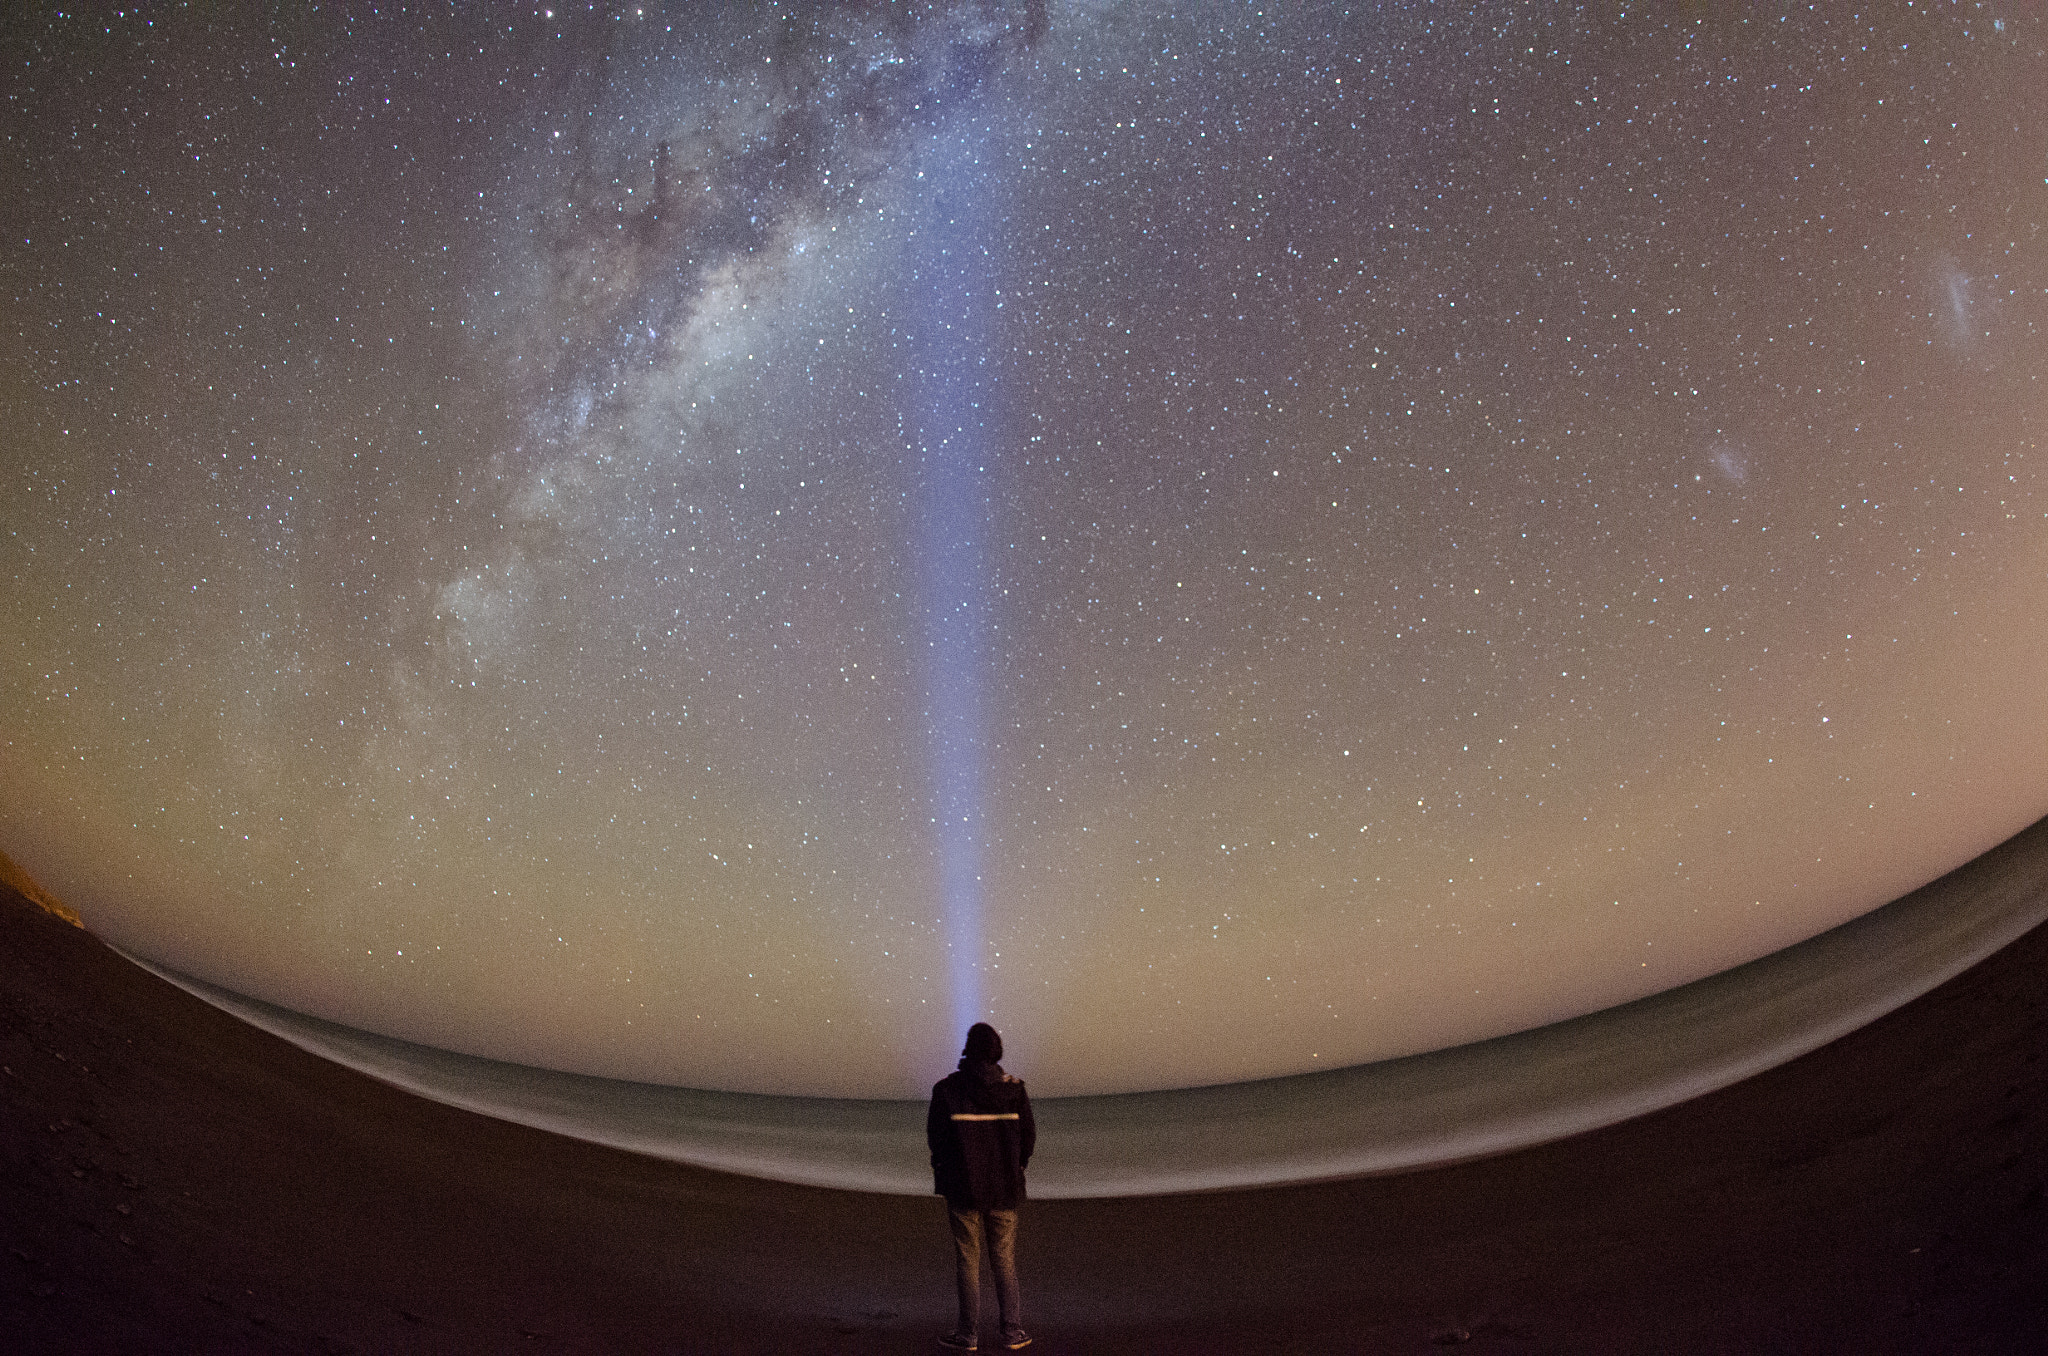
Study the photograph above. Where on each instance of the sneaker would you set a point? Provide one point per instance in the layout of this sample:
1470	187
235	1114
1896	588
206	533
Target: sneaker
1016	1341
954	1341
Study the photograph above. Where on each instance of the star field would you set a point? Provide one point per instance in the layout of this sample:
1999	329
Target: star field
710	550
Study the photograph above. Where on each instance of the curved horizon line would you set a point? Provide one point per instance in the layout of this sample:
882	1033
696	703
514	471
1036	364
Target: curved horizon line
1401	1115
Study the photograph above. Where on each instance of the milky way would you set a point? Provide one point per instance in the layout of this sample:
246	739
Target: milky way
714	550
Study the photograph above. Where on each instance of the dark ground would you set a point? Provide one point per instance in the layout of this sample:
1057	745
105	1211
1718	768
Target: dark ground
177	1181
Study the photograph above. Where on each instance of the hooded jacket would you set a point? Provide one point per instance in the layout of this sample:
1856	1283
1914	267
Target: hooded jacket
981	1136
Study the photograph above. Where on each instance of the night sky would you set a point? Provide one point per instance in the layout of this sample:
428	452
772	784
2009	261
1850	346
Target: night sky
716	550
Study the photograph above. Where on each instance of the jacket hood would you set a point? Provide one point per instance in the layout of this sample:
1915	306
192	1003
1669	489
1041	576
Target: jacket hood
988	1071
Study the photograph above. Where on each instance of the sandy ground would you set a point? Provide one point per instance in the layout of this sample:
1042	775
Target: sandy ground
177	1181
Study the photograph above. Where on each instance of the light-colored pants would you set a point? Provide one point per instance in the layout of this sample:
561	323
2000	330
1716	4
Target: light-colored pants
999	1227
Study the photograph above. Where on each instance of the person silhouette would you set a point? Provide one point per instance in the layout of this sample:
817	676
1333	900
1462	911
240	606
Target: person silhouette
981	1135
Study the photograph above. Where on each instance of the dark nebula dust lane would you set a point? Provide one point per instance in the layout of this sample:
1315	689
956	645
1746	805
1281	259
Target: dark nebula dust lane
709	550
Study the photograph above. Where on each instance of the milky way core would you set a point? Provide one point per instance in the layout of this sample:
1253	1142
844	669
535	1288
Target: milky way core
713	545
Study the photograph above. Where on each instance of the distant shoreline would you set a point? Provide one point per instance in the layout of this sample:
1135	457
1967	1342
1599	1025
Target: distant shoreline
1397	1116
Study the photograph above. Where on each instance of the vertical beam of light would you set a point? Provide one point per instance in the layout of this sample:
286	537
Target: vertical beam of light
953	386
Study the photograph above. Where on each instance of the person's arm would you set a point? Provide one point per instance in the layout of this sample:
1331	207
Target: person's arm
936	1125
1027	1129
